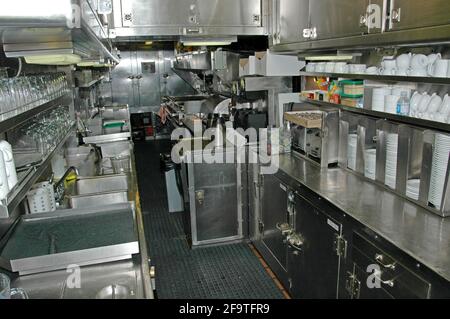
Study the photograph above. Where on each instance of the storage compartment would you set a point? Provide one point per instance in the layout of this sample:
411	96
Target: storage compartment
389	275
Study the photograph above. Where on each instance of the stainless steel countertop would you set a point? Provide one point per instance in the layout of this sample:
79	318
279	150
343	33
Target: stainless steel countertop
131	277
411	228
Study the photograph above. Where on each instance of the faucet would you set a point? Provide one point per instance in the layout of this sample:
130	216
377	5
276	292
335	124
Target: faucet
59	186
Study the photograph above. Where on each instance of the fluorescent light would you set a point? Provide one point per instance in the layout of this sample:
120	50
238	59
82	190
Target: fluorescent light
43	8
53	59
148	42
87	63
329	58
207	41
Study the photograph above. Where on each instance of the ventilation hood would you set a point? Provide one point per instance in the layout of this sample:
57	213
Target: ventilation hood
53	32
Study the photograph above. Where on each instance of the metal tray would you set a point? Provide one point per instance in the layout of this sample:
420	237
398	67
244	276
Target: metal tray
51	241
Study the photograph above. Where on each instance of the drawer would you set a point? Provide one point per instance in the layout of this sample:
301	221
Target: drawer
399	281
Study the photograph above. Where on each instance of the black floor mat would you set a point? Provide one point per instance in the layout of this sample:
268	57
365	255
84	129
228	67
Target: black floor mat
222	272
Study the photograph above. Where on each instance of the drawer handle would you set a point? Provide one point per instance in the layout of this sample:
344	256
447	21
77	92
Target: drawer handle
380	258
389	283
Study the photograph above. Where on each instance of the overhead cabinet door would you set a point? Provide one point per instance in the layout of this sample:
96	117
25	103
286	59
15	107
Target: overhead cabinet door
293	18
337	18
411	14
233	13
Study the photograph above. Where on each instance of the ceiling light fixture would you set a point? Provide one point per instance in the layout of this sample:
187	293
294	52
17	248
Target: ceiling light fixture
207	41
53	59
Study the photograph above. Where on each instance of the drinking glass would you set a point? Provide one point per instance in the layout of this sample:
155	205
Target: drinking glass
6	292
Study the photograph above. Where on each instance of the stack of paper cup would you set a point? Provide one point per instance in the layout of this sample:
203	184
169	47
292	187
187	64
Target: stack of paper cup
413	188
390	177
370	163
351	151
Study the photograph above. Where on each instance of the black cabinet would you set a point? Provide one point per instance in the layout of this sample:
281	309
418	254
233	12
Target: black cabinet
274	214
379	274
314	265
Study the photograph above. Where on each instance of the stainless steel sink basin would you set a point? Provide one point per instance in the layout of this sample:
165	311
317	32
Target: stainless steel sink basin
98	191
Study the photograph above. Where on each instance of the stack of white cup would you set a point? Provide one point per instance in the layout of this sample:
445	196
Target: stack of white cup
390	103
378	97
351	151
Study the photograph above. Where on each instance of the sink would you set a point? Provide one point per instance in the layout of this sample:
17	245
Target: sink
97	191
101	184
112	125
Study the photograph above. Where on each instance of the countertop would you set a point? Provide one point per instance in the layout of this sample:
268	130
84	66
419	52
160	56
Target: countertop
128	278
411	228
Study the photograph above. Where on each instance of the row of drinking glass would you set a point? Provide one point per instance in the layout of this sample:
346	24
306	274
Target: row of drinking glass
31	90
48	129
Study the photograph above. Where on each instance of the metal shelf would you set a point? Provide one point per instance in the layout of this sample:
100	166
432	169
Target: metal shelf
381	78
19	192
387	116
20	115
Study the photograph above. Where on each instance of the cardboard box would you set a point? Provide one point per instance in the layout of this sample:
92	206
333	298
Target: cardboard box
270	64
247	66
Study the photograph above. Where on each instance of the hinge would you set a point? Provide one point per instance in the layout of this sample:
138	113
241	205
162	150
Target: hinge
261	181
340	246
260	226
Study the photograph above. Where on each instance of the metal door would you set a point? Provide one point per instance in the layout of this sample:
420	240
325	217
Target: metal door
274	213
122	82
254	201
141	78
147	83
215	207
375	17
407	14
292	19
314	266
337	18
182	13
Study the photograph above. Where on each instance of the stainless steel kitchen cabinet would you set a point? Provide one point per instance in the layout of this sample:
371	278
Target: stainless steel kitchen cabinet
407	14
292	17
315	259
274	214
190	13
336	18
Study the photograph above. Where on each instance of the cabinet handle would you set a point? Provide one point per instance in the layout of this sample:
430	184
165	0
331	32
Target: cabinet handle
285	229
314	33
363	21
295	241
380	258
396	15
389	283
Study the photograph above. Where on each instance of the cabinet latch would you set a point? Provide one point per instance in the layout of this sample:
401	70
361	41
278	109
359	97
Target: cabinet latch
340	246
353	285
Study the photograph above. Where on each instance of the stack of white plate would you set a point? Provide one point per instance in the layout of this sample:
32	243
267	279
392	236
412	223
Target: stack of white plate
412	188
390	177
439	169
351	151
370	162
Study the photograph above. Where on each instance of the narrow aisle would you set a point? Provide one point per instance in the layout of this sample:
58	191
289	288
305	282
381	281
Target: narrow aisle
225	272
